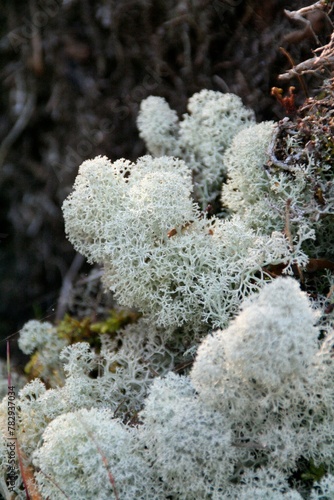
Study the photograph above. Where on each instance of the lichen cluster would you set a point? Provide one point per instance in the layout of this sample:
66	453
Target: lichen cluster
221	387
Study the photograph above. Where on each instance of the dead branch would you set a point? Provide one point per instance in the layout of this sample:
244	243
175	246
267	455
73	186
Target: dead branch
317	63
67	286
300	15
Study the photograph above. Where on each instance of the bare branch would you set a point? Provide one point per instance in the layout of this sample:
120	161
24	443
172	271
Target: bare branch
67	286
325	59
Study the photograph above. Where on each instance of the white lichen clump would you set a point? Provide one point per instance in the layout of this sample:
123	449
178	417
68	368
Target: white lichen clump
278	320
252	414
186	440
267	372
41	339
159	254
201	138
260	393
100	462
36	335
158	125
247	181
265	191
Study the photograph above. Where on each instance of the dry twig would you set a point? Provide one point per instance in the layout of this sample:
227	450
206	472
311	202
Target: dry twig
326	57
299	15
67	286
317	63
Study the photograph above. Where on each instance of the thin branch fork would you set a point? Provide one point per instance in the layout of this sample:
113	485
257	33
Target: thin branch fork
67	286
298	15
326	58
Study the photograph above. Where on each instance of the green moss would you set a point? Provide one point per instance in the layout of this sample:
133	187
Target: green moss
73	330
314	473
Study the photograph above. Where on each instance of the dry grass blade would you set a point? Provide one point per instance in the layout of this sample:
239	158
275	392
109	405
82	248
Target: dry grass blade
104	460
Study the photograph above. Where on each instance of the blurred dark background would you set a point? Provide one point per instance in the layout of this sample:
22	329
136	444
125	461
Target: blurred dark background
73	74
